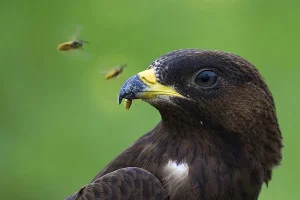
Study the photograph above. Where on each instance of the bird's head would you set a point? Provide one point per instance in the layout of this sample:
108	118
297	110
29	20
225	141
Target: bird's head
212	89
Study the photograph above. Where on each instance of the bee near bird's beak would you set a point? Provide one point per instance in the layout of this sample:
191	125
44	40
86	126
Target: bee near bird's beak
144	85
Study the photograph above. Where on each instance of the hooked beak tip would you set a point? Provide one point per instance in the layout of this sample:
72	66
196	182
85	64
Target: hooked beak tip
120	100
131	88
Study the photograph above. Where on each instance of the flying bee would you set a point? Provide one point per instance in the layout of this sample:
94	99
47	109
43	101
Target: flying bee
127	103
115	72
72	45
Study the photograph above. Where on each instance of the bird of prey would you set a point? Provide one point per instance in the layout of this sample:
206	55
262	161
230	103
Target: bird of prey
218	139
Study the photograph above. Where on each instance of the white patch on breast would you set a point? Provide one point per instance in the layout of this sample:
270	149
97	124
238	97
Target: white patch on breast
180	169
174	175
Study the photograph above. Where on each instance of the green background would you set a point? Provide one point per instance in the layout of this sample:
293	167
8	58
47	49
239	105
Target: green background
60	123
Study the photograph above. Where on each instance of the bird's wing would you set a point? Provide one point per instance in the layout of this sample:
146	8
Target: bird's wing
130	183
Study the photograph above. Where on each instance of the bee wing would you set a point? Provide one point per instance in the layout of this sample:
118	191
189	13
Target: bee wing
126	183
78	30
69	32
84	41
124	65
79	54
106	71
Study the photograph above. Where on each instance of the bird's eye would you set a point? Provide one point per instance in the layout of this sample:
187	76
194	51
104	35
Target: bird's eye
206	78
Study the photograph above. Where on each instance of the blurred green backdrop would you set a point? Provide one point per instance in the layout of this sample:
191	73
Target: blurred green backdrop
60	121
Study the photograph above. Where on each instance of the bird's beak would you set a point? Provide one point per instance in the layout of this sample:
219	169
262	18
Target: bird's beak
144	85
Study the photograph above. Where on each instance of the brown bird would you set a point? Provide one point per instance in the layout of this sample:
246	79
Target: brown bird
218	138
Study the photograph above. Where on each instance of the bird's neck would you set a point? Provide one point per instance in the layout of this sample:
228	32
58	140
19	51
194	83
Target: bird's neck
189	134
180	121
184	125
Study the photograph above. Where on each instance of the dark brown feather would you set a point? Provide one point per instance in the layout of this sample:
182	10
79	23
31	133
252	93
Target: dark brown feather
129	183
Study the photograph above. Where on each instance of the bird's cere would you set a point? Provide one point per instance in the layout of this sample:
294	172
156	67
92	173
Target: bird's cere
148	76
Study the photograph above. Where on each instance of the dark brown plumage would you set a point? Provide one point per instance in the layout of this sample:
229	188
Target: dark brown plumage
126	183
218	139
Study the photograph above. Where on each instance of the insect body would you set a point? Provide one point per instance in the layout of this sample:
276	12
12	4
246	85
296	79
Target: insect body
127	103
72	45
115	72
